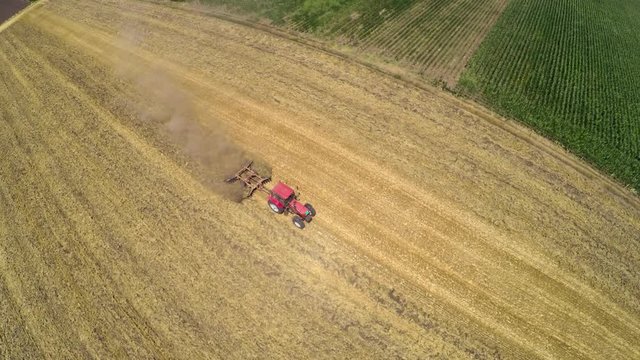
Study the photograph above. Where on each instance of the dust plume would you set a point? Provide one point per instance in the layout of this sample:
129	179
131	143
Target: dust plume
169	108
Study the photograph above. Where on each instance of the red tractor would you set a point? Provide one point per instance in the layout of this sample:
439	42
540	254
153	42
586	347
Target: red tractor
282	198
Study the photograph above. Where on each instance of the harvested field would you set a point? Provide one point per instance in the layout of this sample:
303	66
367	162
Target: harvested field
443	231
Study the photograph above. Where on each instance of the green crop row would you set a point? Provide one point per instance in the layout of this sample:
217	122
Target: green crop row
318	15
570	69
431	37
434	33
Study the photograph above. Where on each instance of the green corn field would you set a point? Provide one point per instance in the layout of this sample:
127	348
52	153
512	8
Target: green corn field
570	69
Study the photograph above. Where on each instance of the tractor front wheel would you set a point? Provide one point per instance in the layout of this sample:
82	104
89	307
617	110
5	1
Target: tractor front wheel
298	222
311	209
275	208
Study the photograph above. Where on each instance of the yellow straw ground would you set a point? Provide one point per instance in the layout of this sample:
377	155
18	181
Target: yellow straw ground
442	230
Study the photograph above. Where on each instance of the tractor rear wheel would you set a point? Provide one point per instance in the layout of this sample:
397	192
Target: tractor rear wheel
298	222
311	209
275	208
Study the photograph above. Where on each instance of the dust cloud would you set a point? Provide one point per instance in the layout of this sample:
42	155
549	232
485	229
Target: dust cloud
169	108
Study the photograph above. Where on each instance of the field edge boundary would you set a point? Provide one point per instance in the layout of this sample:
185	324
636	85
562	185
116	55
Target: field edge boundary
10	21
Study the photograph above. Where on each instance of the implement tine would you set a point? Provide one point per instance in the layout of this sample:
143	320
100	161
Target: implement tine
251	179
238	175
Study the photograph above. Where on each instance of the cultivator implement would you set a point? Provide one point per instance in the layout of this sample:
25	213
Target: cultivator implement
251	179
282	198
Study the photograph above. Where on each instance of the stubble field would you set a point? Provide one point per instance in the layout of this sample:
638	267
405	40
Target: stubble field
443	231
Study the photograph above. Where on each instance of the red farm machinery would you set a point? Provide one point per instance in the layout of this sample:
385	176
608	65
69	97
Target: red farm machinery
281	198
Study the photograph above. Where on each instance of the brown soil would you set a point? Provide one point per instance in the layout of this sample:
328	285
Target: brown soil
8	8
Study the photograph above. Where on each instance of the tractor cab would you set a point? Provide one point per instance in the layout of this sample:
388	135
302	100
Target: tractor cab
283	194
284	199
